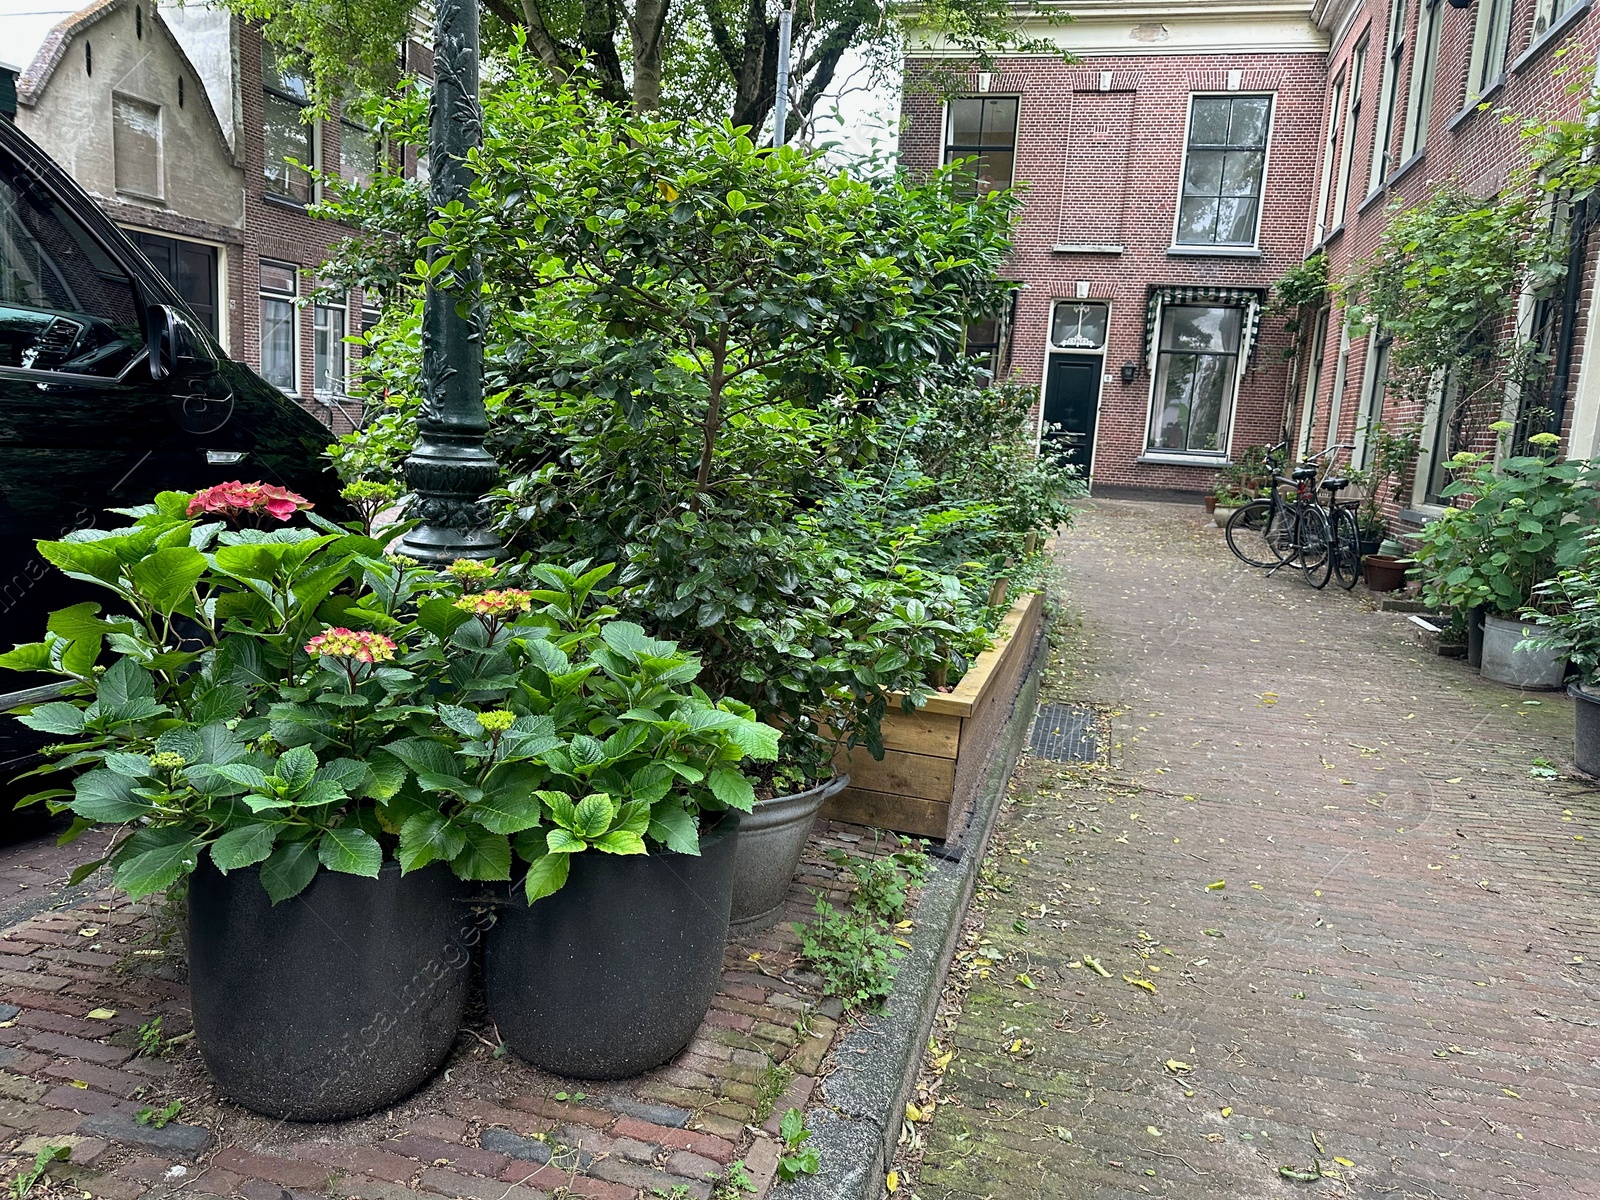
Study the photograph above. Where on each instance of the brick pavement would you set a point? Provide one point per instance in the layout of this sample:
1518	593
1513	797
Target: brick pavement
1337	918
78	984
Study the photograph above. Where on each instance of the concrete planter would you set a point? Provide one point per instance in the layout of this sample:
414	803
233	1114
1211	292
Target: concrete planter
1506	660
771	840
933	758
1221	512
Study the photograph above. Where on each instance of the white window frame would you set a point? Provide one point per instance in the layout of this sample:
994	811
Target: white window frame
1370	409
1388	97
1222	453
1427	460
1224	248
1312	387
1491	45
292	299
1329	157
341	347
1016	132
1424	78
1357	82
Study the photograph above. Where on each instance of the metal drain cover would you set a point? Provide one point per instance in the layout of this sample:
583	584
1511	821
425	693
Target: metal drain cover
1065	733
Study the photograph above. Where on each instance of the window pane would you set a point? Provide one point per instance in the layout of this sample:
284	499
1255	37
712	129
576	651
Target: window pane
1197	220
327	374
994	170
1172	425
1000	122
136	146
358	153
1192	328
1208	402
1241	173
1209	123
277	343
286	137
1236	220
282	75
1079	325
276	277
966	121
1250	121
1204	174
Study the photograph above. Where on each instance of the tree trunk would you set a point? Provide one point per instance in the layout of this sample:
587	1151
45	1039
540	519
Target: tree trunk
646	24
756	75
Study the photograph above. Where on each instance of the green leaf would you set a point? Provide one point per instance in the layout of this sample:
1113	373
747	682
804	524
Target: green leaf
509	809
158	869
561	841
594	815
352	851
103	795
124	683
91	560
243	847
562	811
428	837
243	774
186	742
57	717
30	656
167	578
134	766
289	870
486	856
620	841
675	828
546	875
732	788
441	617
423	754
297	767
587	751
757	739
463	720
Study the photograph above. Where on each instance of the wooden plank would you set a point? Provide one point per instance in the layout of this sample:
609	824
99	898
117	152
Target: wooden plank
903	814
921	732
977	680
924	776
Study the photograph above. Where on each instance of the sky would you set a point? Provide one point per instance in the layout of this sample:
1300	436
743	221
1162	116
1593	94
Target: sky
867	111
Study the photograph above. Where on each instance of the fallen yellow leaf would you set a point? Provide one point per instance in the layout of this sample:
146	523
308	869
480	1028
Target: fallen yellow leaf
1175	1066
913	1113
1227	1112
1140	983
102	1014
1217	886
893	1181
1343	1162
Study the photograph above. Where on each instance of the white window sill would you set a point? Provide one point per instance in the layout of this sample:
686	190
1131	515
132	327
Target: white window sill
1209	462
1566	19
1086	248
1213	252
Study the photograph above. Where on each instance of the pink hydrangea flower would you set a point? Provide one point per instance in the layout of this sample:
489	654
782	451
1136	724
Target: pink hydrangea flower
500	602
361	646
237	499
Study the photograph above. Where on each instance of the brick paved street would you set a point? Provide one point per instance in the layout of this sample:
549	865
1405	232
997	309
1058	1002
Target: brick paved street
1314	909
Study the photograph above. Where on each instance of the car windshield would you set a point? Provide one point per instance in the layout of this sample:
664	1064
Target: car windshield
65	305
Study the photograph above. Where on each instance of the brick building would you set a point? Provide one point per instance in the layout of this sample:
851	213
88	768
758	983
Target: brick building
1194	153
178	120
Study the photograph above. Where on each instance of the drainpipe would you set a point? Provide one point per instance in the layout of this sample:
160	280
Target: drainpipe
780	104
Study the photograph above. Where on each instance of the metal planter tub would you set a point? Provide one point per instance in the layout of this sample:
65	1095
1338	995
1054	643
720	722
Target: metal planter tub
771	840
1507	659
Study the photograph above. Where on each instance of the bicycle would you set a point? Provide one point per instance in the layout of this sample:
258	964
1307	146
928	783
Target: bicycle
1278	530
1342	562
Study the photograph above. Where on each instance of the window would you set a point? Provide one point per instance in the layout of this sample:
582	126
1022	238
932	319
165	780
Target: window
1419	103
191	268
279	343
136	146
1372	402
1489	40
1383	131
1222	170
1330	155
286	96
359	151
1352	130
1446	436
1548	13
327	349
1196	368
983	128
1308	406
65	304
1079	325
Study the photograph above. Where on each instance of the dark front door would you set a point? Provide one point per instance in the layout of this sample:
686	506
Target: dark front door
1071	402
189	267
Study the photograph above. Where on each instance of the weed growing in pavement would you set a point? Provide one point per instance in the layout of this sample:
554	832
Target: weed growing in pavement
23	1183
773	1082
157	1118
150	1041
798	1158
855	955
882	883
734	1183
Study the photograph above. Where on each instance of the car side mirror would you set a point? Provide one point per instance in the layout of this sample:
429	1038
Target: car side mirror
175	348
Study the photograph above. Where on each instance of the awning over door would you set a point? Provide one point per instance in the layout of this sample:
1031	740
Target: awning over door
1249	299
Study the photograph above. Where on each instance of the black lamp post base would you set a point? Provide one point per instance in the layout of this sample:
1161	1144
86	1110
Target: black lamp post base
448	480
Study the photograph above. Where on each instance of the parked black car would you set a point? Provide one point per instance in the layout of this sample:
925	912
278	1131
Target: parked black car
110	391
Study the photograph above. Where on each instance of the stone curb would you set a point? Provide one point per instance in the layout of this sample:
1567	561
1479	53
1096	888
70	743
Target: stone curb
856	1129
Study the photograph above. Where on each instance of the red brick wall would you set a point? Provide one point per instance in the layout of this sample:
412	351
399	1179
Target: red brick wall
1477	149
1105	167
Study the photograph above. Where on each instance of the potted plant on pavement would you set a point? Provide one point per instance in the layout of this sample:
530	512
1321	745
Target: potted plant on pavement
1568	606
1524	525
1229	501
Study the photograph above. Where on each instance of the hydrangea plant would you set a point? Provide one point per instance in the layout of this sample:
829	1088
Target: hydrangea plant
292	698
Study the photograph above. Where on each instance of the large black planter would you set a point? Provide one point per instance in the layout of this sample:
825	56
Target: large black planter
1586	745
334	1003
771	840
1475	617
612	974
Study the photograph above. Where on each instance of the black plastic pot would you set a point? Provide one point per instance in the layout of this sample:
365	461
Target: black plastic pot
612	974
1475	637
771	840
335	1003
1586	743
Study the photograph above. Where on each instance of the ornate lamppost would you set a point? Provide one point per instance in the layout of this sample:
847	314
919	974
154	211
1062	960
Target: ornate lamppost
449	470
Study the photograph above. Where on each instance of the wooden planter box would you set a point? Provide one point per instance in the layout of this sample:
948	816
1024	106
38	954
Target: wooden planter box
934	759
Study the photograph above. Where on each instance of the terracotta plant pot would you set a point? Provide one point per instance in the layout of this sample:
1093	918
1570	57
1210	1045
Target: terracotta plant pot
1211	503
1385	572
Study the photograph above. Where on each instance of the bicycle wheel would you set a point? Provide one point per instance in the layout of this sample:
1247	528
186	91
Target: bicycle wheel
1346	549
1253	534
1314	539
